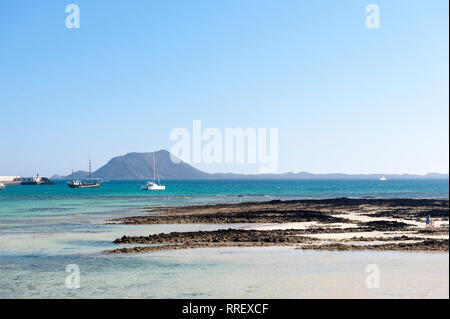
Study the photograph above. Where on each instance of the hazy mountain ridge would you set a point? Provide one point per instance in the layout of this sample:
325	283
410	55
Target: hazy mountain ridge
140	166
306	175
76	175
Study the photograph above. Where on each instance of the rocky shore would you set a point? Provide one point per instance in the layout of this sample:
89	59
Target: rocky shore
331	224
425	245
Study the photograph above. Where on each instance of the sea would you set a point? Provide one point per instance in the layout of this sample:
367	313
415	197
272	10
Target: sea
51	234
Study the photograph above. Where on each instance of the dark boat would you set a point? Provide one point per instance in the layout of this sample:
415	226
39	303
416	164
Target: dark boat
79	184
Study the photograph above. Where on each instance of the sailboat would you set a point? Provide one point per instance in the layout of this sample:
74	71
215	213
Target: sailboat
154	186
75	183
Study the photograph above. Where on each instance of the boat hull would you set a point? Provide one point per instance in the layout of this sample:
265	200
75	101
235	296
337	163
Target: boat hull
153	188
85	185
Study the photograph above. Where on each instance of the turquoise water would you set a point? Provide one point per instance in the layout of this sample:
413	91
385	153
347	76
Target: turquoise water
45	228
32	201
33	206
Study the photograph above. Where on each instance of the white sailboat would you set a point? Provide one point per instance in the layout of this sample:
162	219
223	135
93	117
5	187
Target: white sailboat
2	186
154	186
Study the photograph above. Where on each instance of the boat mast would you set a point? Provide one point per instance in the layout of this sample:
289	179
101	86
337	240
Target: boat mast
90	170
154	168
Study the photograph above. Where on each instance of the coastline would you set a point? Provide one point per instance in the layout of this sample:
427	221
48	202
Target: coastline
339	224
275	266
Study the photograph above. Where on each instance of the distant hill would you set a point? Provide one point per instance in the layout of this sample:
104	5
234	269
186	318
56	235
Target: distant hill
76	175
140	166
306	175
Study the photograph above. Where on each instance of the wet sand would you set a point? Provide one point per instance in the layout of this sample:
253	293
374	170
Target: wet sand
333	224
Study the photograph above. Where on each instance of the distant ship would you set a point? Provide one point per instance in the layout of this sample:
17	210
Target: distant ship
2	186
154	186
383	179
75	183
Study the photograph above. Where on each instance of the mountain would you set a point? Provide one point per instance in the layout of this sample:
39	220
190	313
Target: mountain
140	166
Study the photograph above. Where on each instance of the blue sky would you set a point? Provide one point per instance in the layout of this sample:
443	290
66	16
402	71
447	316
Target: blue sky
344	97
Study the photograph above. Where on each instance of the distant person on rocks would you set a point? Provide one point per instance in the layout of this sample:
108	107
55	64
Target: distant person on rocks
429	222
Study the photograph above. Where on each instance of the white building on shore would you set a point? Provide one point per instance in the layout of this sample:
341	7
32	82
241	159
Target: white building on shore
4	179
18	180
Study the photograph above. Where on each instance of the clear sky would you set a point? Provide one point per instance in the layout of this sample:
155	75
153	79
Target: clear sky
344	97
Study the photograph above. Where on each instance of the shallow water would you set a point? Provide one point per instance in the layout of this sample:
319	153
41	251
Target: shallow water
229	273
45	228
